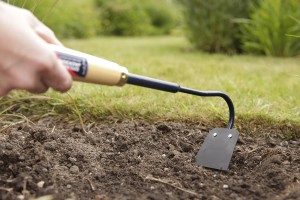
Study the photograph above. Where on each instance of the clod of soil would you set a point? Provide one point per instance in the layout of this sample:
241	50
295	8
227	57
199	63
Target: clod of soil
140	160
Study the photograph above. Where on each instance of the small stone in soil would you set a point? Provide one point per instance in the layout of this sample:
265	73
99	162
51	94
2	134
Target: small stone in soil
20	197
164	128
74	169
21	158
225	186
186	147
51	146
9	146
72	159
41	184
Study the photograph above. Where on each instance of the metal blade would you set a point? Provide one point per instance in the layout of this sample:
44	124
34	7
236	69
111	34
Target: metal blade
217	148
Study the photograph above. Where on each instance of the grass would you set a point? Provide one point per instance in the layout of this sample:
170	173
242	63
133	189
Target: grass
260	87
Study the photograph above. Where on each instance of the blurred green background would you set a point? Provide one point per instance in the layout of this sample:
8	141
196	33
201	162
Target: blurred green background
217	26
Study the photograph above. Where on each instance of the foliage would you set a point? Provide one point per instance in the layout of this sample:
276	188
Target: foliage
270	24
211	24
74	18
82	19
121	18
136	17
163	16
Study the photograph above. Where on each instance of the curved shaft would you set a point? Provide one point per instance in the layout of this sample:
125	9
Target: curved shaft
174	87
214	94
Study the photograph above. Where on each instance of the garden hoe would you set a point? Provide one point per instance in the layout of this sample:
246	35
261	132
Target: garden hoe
218	146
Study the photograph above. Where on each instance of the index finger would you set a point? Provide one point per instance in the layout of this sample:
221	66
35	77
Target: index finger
47	34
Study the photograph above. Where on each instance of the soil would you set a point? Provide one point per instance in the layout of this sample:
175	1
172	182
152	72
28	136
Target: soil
140	160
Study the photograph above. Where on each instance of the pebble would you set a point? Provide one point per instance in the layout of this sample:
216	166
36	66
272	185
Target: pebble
9	146
257	158
213	197
201	185
286	162
285	143
277	159
69	186
21	158
272	142
74	169
225	186
164	128
20	197
51	146
71	159
41	184
186	147
293	142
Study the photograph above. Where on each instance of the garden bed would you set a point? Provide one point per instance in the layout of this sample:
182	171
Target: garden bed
140	160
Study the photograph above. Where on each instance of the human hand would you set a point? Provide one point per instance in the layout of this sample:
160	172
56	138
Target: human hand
26	60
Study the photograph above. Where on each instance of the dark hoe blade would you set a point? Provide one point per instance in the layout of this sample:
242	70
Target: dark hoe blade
217	148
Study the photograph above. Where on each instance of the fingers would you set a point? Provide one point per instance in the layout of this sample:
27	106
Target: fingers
47	34
38	67
39	87
40	29
57	75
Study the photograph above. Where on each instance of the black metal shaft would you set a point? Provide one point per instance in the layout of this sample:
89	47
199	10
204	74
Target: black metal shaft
157	84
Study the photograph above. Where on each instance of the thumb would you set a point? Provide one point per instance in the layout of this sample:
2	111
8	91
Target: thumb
58	77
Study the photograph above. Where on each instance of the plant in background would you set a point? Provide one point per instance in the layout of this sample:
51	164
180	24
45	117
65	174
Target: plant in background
163	16
210	24
120	17
270	24
136	17
83	19
68	19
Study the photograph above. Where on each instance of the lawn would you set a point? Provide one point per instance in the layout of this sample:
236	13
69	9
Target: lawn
260	87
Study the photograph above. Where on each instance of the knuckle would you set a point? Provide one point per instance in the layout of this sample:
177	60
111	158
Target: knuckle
28	14
66	85
47	62
49	31
43	29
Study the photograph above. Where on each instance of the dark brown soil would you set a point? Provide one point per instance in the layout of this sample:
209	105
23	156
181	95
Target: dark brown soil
140	160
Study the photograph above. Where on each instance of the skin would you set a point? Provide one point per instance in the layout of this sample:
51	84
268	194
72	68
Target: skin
26	61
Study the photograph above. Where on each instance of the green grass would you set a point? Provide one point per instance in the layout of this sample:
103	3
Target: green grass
260	87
